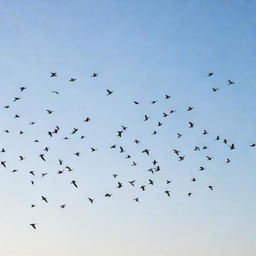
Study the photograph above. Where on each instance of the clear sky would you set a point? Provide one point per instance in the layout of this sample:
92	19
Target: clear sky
141	50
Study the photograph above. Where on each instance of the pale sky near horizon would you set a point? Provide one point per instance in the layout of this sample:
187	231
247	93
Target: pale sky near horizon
141	50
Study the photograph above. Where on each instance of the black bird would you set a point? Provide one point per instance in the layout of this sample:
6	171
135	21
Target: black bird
136	102
176	151
196	148
109	92
232	146
119	185
210	187
32	173
189	194
151	182
108	195
165	115
205	132
22	88
167	192
115	175
179	135
121	149
167	97
56	92
33	225
74	130
191	124
53	74
154	162
225	141
60	161
21	158
159	124
72	79
113	146
172	111
146	151
253	145
119	133
143	187
189	108
136	199
137	141
16	98
91	200
227	161
215	89
74	183
154	132
168	181
93	149
181	158
201	168
42	157
62	206
210	74
94	75
205	147
217	138
3	164
193	179
77	154
44	199
209	158
49	111
124	127
153	101
87	119
132	182
230	82
146	117
134	164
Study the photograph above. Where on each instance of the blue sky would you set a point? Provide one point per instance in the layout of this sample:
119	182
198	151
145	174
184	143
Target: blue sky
142	50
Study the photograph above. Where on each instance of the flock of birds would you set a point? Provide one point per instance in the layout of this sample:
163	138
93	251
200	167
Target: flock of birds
120	132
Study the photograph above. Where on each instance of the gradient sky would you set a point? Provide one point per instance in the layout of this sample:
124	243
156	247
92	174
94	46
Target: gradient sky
142	50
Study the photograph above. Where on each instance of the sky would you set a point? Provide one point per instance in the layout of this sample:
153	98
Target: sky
141	50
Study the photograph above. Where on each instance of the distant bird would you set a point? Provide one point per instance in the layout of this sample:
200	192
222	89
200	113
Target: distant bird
91	200
136	199
210	187
167	97
22	88
94	75
146	117
232	146
16	98
217	138
201	168
55	92
153	101
119	185
227	161
168	181
151	182
49	111
191	124
44	199
42	157
74	183
108	195
189	108
143	187
87	119
193	179
109	92
137	141
181	158
179	135
53	74
167	192
33	225
205	132
3	164
189	194
215	89
136	102
253	145
62	206
230	82
146	151
209	158
132	182
210	74
72	79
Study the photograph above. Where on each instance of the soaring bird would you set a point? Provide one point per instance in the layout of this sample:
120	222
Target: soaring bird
132	182
230	82
33	225
94	75
232	146
146	151
189	108
210	187
42	157
215	89
191	124
53	74
109	92
136	102
74	183
44	199
167	192
72	79
167	96
3	164
62	206
210	74
91	200
146	117
22	88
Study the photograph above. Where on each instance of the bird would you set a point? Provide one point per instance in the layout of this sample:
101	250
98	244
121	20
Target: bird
217	138
108	195
137	141
62	206
3	164
136	199
181	158
146	117
168	181
132	182
167	192
210	187
16	98
119	185
191	124
253	145
176	151
143	187
121	149
205	132
136	102
189	108
153	101
151	182
72	79
33	225
146	151
49	111
230	82
93	149
209	158
193	179
53	74
210	74
232	146
165	115
215	89
94	75
44	199
42	157
179	135
227	161
201	168
22	88
109	92
74	183
87	119
90	200
167	96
